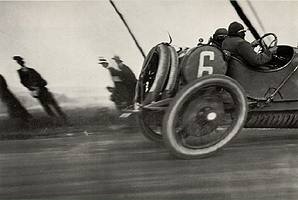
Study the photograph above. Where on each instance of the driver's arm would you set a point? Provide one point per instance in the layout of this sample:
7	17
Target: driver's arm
255	43
254	59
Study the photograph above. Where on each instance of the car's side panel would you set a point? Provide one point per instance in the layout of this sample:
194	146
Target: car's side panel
201	61
260	84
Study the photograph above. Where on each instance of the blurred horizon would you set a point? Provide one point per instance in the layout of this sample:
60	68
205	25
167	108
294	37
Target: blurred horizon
67	97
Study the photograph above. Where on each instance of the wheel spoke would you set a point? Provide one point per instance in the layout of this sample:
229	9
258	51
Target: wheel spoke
150	125
206	118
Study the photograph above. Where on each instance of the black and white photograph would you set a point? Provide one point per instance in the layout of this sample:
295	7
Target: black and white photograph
149	99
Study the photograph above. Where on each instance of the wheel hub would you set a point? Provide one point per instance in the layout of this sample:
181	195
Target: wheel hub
202	116
211	116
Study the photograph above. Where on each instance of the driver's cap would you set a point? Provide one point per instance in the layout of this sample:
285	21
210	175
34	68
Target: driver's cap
220	33
235	27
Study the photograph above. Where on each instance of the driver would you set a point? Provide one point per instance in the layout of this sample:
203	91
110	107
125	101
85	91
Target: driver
242	49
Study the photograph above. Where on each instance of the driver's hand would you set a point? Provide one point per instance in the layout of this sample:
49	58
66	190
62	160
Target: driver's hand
255	43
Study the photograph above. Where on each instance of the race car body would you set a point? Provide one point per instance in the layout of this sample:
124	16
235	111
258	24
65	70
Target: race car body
213	96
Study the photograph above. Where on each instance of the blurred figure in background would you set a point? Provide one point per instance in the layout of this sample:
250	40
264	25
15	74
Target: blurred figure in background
120	94
128	78
14	107
37	86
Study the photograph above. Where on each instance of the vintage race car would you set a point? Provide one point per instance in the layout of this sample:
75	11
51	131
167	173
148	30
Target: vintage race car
197	101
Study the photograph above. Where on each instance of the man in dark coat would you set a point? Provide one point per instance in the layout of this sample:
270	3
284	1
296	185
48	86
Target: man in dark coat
37	85
218	37
128	78
120	94
242	49
15	108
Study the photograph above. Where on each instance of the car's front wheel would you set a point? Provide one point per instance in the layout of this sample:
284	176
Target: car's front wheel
204	116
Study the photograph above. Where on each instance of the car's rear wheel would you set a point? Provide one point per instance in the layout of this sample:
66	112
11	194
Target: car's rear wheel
204	116
150	123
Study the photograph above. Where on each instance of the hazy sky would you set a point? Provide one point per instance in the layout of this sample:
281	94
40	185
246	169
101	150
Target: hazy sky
63	39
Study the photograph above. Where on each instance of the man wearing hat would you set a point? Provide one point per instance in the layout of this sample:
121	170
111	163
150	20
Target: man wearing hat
128	78
242	49
119	93
37	86
218	37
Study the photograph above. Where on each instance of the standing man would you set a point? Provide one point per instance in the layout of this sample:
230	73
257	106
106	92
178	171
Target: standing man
14	107
242	49
37	86
128	78
119	92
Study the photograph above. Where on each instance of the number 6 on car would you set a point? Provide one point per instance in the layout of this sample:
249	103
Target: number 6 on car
201	61
203	68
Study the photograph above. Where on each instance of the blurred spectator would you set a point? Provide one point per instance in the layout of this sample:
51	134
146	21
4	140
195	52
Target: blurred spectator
15	108
120	94
37	86
128	78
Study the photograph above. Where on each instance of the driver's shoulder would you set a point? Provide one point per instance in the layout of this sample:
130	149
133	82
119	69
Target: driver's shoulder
244	46
242	42
236	42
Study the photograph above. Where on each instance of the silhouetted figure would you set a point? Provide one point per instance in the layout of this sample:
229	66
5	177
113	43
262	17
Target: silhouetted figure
218	37
120	94
128	78
15	108
37	85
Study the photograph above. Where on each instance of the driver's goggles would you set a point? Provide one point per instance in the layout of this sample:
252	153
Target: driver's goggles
221	37
241	31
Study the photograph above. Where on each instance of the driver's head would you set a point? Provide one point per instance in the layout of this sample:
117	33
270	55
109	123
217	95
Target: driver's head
236	29
219	35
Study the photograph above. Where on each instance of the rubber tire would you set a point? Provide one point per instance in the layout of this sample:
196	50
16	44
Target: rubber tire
173	74
163	52
172	112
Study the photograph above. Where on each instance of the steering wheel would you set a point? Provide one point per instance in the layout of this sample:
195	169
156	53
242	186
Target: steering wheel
271	45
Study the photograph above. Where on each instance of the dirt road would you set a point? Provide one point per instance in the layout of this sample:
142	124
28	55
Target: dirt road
123	164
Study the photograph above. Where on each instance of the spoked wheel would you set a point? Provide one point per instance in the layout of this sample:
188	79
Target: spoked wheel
204	116
150	123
